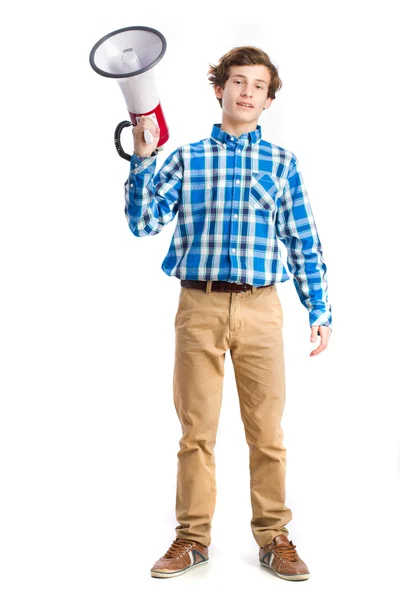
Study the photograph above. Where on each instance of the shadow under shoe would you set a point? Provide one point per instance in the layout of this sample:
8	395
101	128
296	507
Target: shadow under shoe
281	557
181	556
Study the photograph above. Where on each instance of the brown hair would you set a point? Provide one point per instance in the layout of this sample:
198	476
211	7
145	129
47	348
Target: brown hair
243	55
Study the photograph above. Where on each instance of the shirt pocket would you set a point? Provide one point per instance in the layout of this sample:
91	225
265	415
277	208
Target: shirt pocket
263	192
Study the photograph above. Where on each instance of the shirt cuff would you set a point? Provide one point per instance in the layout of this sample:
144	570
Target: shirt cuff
140	163
321	320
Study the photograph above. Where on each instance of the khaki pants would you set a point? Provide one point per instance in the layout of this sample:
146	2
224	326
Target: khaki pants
249	324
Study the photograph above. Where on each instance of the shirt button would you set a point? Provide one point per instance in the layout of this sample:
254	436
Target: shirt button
235	215
237	181
131	184
136	164
239	150
234	250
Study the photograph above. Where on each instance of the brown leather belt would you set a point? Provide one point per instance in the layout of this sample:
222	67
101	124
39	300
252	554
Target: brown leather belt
219	286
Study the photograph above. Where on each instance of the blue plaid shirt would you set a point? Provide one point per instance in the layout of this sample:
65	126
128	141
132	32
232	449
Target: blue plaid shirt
234	197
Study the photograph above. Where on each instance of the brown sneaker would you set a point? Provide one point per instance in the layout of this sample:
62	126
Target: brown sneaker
281	557
182	556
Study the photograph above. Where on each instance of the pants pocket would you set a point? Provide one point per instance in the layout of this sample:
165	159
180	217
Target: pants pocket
182	295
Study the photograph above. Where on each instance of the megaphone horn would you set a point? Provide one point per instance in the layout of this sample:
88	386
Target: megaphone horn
129	55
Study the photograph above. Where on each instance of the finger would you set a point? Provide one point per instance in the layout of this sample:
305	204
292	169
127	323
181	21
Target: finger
325	333
146	121
149	123
318	350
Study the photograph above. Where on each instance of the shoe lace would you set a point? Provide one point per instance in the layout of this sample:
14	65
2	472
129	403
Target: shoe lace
287	552
178	547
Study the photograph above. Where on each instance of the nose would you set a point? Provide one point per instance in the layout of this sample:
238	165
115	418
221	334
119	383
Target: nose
244	92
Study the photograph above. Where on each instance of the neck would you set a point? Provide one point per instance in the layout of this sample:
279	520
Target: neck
236	128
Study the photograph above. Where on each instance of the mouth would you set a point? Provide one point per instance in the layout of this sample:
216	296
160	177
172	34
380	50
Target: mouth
244	105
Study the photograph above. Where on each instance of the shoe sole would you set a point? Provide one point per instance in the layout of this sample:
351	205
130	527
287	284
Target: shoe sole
164	574
298	577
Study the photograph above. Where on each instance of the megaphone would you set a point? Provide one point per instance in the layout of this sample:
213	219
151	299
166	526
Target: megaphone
129	55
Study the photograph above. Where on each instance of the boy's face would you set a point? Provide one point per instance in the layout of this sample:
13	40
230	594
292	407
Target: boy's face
245	84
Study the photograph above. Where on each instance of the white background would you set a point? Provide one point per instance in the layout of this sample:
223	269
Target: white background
89	433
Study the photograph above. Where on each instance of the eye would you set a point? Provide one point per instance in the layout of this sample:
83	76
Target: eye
238	81
260	86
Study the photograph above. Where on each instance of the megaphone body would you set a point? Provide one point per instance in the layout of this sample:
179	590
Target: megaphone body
129	56
142	100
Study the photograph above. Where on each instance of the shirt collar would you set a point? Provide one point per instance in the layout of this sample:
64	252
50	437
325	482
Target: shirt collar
221	136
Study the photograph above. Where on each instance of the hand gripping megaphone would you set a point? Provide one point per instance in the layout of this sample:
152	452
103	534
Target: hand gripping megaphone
129	55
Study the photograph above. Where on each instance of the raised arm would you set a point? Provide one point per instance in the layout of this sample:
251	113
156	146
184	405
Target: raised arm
151	200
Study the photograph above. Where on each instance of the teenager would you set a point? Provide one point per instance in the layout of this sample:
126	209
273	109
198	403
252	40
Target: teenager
235	195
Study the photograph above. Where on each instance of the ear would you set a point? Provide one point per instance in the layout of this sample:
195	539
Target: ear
268	103
218	91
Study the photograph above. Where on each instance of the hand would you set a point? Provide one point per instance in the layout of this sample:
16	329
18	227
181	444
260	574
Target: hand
141	148
325	332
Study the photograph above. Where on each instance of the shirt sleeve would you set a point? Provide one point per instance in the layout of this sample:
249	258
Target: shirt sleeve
296	228
151	201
